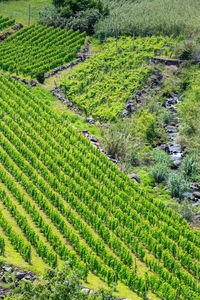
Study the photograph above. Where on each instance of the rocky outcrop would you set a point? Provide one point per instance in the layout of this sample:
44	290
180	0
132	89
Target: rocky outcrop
26	81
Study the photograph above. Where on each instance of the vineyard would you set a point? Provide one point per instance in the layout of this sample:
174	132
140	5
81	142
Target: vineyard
39	49
5	23
96	86
62	199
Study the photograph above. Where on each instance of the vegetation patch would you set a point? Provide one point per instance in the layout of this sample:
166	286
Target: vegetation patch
36	50
96	86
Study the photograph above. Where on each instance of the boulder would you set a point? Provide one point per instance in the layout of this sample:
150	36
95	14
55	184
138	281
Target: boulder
90	120
20	275
196	195
134	176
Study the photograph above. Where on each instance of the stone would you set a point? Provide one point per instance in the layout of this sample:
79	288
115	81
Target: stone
85	132
134	176
85	291
196	195
8	269
93	139
90	120
195	186
20	275
28	277
3	278
197	217
171	129
176	164
130	107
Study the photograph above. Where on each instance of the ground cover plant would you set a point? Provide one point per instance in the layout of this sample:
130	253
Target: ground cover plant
65	200
38	49
96	86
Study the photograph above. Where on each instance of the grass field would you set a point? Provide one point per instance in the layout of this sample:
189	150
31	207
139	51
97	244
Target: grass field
18	9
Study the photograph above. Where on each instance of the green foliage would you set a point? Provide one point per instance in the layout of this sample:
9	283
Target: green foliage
190	166
6	22
187	211
188	49
167	117
74	193
38	49
177	185
96	85
160	172
59	284
154	17
161	156
40	77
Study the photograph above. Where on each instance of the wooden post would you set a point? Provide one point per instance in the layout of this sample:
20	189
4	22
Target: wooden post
177	294
135	266
29	14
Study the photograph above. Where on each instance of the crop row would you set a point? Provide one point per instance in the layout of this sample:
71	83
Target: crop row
38	49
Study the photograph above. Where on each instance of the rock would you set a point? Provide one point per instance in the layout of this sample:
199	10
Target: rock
197	217
176	164
164	147
8	269
20	275
134	176
28	277
196	195
3	278
85	132
195	186
93	139
188	195
171	129
90	120
130	107
85	291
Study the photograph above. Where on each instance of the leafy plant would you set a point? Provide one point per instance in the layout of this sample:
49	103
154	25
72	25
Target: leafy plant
160	172
177	185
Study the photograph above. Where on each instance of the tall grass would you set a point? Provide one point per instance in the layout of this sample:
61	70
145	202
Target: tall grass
151	17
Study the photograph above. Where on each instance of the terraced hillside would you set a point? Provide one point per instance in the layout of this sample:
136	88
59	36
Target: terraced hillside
62	199
101	86
36	49
6	22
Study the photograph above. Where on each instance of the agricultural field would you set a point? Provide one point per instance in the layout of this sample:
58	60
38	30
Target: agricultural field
99	156
6	22
96	86
39	49
109	228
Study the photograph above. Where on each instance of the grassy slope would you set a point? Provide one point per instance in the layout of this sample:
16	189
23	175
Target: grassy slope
19	9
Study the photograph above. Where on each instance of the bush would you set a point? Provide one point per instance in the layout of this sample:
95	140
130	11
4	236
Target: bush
40	77
190	166
188	49
177	185
161	156
167	116
160	172
187	211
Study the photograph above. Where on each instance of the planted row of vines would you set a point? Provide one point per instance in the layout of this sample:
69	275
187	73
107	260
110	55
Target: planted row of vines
84	206
37	49
102	85
6	22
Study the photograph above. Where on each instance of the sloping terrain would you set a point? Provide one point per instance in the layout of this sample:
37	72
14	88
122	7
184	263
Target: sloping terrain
62	199
37	49
102	85
6	22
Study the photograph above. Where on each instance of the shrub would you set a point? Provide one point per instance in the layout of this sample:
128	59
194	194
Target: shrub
187	211
177	185
161	156
167	116
188	49
190	166
40	77
160	172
